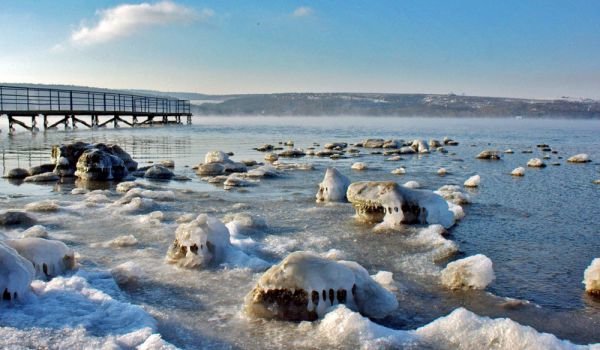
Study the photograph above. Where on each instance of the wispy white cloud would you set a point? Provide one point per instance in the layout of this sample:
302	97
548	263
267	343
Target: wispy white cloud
303	11
127	19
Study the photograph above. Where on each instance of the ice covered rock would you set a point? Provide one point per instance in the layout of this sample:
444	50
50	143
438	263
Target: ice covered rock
16	218
473	181
43	177
17	173
304	285
333	187
264	148
373	143
399	171
42	168
158	172
453	193
16	273
442	171
435	144
35	231
407	150
271	157
420	146
210	169
168	163
579	158
263	171
127	273
47	205
216	157
120	242
392	205
336	145
206	241
126	186
359	166
520	171
489	154
591	277
474	272
49	258
536	163
235	180
92	161
292	153
98	164
412	184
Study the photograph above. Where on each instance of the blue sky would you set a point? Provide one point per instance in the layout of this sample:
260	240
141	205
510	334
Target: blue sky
520	48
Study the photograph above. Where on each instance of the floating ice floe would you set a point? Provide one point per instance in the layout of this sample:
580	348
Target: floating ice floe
50	258
391	205
591	277
304	286
206	241
473	181
333	187
461	329
474	272
16	273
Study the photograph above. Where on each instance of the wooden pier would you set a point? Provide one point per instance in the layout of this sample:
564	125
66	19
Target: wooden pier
24	105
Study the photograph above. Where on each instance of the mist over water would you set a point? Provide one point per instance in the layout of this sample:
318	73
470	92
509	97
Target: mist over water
541	230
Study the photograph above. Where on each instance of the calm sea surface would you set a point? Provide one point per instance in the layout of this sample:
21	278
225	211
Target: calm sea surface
541	231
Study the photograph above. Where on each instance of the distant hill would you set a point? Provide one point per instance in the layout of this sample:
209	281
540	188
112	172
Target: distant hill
424	105
367	104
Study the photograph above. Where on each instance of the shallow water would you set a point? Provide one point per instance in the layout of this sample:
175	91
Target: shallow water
540	231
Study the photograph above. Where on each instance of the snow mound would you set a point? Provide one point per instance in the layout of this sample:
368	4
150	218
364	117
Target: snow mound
474	272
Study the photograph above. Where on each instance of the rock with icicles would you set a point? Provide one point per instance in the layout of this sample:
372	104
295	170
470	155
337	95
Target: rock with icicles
474	272
304	286
520	171
391	205
50	258
591	278
205	241
333	187
16	273
489	155
473	181
536	163
579	158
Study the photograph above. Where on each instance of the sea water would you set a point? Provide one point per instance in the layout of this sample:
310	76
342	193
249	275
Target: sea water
541	231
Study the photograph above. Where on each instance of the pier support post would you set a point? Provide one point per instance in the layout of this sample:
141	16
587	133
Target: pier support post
45	122
11	127
189	120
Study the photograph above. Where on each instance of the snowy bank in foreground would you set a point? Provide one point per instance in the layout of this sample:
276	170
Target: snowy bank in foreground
461	329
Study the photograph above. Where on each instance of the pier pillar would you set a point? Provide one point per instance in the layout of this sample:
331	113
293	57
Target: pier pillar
11	127
165	119
189	120
45	121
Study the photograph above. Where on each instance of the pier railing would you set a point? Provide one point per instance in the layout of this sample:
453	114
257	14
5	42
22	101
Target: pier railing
28	100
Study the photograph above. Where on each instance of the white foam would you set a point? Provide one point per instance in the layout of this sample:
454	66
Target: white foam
474	272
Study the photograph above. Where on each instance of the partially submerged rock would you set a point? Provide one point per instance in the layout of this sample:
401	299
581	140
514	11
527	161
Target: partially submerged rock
579	158
536	163
16	218
333	187
43	177
399	171
520	171
158	172
16	273
304	285
373	143
359	166
49	258
474	272
473	181
292	153
391	205
489	154
40	169
92	161
591	277
17	173
453	194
